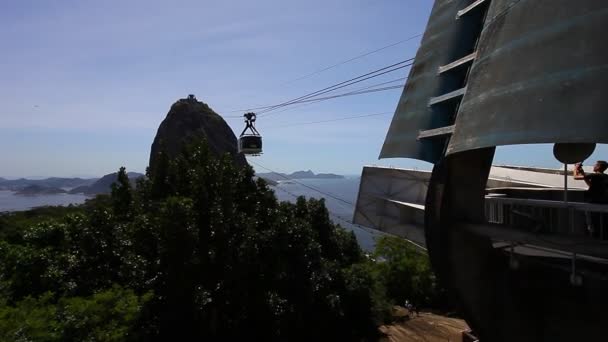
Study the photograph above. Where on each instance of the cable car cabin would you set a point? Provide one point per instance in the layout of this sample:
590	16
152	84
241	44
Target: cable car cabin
250	144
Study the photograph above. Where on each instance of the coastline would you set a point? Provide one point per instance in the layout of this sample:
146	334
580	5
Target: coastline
11	201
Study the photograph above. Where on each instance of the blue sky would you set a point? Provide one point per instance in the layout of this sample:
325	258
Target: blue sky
85	84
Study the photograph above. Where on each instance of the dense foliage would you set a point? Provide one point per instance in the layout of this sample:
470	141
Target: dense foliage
197	250
406	274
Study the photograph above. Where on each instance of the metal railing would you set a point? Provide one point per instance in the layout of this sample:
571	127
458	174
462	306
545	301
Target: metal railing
544	216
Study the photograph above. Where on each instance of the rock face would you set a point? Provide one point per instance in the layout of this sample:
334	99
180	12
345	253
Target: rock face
188	119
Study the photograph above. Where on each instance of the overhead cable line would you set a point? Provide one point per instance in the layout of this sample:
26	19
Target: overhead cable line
382	83
354	80
358	79
353	59
352	93
333	120
298	106
357	91
305	185
313	101
271	108
321	99
336	216
349	82
507	9
346	220
330	67
367	229
332	214
360	91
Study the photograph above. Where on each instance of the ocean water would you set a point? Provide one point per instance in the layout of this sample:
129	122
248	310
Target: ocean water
11	202
341	211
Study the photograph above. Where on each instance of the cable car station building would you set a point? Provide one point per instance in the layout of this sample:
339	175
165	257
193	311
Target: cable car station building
509	243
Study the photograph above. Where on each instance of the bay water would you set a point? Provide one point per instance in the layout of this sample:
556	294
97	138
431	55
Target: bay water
340	196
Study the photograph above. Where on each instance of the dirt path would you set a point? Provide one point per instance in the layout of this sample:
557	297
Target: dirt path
427	327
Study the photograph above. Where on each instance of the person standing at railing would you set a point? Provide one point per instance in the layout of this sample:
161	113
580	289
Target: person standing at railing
598	187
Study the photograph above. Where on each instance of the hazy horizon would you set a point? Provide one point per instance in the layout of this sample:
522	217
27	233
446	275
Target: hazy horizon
38	177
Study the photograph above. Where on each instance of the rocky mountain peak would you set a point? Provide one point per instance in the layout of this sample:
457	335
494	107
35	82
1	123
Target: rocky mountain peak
187	119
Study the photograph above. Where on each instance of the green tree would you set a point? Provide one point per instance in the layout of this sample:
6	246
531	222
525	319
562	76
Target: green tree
235	263
32	319
202	250
122	197
107	316
406	273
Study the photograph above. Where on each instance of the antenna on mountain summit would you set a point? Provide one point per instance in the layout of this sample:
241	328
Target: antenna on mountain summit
250	143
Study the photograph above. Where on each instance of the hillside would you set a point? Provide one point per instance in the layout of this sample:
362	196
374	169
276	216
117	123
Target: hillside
53	182
104	184
33	190
298	175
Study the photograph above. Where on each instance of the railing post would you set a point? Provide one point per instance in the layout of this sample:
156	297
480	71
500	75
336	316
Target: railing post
575	279
568	211
601	226
566	183
513	262
571	219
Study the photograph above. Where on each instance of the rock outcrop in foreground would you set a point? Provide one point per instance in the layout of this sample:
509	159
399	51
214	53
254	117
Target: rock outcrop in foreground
189	119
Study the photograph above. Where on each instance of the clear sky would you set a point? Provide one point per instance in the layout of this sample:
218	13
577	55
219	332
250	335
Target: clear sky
85	83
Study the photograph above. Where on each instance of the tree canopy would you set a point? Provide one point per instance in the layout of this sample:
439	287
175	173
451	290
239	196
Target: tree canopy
197	250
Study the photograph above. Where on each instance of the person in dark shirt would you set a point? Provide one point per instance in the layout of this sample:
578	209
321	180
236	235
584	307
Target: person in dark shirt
598	187
597	182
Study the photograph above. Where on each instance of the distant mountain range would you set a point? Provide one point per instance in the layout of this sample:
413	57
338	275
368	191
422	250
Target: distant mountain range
298	175
103	185
33	190
53	182
57	185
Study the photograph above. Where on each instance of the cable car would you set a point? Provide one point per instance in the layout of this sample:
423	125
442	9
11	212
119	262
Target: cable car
250	143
